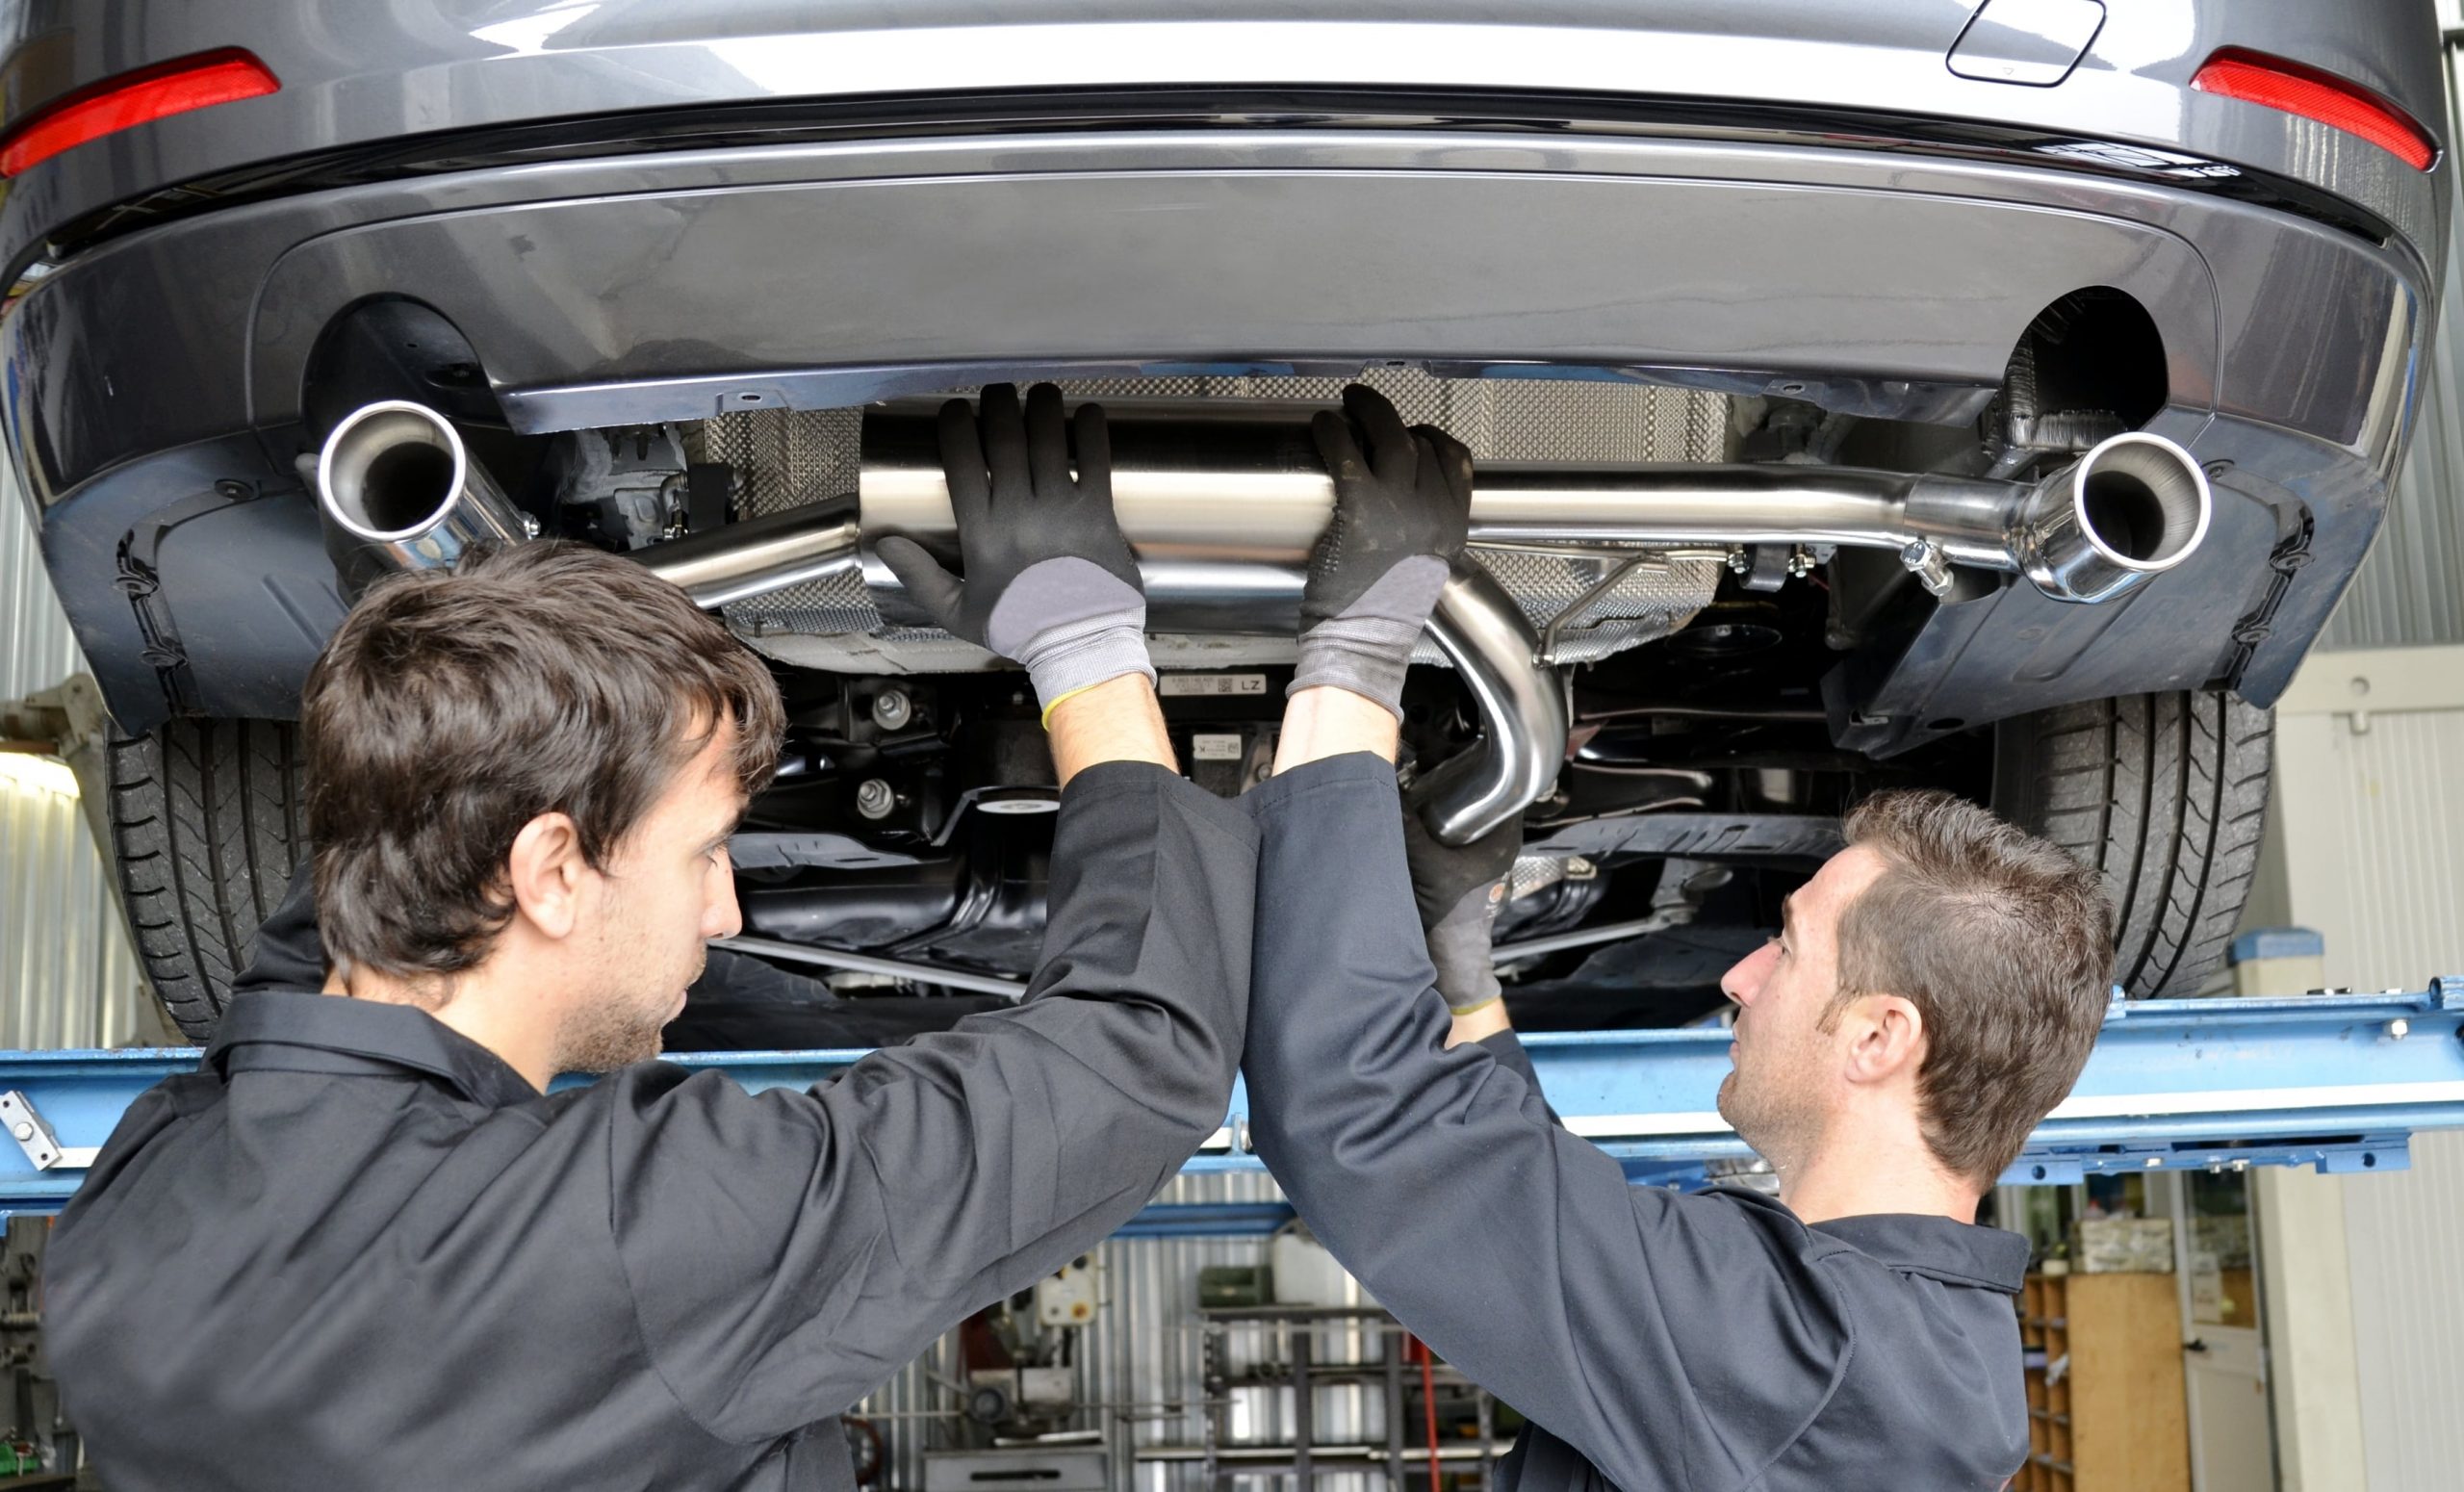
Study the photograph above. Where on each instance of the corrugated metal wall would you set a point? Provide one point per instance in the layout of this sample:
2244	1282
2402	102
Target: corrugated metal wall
2411	588
2374	826
2375	860
2408	1326
68	975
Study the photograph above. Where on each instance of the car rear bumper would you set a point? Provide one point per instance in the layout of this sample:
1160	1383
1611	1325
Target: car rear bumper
685	284
438	68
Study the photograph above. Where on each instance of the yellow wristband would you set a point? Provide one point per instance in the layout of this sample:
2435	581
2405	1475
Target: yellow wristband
1473	1010
1045	719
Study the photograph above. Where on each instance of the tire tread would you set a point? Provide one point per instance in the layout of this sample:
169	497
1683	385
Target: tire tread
2165	796
205	820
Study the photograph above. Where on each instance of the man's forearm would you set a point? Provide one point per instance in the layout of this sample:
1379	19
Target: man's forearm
1329	722
1478	1025
1117	720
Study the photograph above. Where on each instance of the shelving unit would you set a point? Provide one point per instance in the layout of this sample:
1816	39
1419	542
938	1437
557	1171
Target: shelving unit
1401	1457
2106	1411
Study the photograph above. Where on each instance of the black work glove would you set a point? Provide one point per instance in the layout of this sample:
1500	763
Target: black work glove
1459	890
1401	514
1050	581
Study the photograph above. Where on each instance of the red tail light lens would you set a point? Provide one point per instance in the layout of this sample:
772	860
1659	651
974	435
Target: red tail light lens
2253	77
190	82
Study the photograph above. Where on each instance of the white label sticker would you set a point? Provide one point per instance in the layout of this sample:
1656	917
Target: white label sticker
1215	748
1184	684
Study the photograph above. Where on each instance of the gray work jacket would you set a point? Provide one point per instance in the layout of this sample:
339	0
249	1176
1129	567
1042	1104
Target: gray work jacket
1710	1343
357	1250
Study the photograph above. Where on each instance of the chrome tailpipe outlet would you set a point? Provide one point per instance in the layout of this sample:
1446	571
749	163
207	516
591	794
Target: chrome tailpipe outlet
2132	507
397	489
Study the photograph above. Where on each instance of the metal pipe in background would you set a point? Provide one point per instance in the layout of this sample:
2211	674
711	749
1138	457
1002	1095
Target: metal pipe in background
868	964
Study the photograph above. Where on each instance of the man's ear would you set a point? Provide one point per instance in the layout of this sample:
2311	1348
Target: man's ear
1885	1039
546	871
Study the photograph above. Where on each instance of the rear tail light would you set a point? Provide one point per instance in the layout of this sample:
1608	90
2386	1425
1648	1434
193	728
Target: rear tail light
135	98
2256	78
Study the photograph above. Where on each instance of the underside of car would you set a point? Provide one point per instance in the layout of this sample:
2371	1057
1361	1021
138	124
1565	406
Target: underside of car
1862	425
1665	715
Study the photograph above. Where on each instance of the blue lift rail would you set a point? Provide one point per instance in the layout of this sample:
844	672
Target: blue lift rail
2340	1082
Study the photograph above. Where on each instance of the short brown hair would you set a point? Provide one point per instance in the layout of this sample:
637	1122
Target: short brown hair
451	708
2005	945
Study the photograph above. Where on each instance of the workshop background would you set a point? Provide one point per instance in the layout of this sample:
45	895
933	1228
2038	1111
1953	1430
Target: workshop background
2324	1337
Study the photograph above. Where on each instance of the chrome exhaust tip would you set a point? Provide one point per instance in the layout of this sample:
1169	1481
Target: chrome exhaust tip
2134	506
398	490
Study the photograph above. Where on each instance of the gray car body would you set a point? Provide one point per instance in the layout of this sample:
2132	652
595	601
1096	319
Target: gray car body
648	210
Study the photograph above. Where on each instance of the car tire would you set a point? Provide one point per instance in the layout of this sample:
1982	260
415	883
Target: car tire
206	817
2166	795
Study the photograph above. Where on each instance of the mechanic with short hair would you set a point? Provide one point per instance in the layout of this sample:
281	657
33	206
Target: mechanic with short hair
1933	993
361	1248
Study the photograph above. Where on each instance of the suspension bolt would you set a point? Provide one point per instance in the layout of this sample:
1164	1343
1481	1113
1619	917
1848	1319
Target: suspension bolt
875	798
892	709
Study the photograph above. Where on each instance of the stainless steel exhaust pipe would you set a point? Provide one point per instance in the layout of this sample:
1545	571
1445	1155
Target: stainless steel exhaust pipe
1523	710
759	554
1242	485
398	490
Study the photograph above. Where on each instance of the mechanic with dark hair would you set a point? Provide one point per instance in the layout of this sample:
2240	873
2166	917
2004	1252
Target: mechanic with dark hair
1933	992
399	1263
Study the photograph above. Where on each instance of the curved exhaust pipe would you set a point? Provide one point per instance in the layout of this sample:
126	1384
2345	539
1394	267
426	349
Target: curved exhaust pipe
1523	710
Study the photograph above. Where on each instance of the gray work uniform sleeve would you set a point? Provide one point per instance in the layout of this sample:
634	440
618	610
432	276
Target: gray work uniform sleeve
788	1251
1672	1341
1508	1049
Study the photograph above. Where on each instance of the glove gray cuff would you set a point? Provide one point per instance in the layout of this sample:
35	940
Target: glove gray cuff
1459	947
1073	655
1367	654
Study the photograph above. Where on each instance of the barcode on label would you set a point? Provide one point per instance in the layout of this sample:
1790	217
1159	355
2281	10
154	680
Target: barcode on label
1172	685
1215	748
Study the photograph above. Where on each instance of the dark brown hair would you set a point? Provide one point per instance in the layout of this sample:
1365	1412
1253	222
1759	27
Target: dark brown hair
2005	945
451	708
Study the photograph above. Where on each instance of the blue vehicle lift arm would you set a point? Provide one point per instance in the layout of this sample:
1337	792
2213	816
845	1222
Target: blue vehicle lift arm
2341	1082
